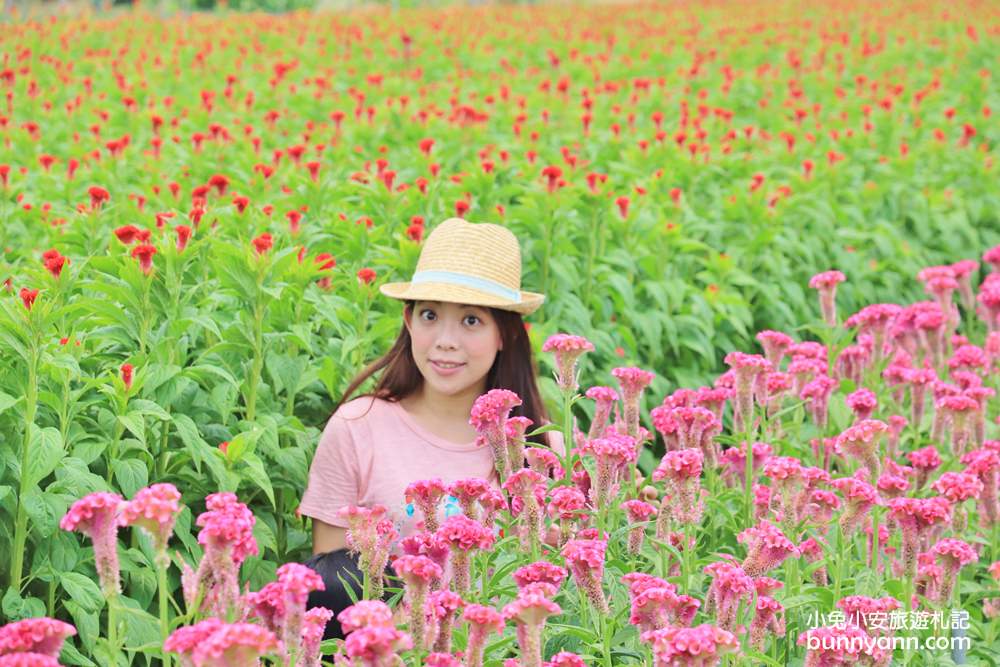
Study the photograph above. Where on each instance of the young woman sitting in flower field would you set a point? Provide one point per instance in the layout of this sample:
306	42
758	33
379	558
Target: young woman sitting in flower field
463	336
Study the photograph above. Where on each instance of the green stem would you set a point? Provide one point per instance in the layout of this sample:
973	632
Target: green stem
748	479
568	442
592	243
164	595
605	640
258	361
21	517
840	564
144	329
114	647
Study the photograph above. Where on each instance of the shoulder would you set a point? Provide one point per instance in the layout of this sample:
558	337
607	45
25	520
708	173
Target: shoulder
360	408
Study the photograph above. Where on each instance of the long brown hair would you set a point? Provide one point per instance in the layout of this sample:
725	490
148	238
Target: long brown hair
514	368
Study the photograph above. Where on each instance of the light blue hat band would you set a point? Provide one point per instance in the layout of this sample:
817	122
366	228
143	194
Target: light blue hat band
463	280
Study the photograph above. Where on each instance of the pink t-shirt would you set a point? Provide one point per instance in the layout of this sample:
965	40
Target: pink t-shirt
368	459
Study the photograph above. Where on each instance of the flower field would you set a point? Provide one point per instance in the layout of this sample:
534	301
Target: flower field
770	243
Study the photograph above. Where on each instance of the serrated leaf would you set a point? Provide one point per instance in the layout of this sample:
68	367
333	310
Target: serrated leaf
134	422
82	590
46	452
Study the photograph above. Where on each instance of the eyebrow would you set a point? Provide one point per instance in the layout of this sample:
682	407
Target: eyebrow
467	306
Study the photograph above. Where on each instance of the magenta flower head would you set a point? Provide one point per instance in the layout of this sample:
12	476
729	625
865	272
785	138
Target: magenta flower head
611	454
468	491
683	503
377	646
463	535
364	537
817	391
953	554
543	461
585	559
985	465
567	349
991	606
516	428
842	644
862	402
915	518
604	399
566	505
489	417
748	369
826	284
227	537
296	581
96	515
313	627
236	644
767	548
729	585
482	621
565	659
441	607
186	639
529	610
42	636
426	494
775	344
442	660
155	509
860	497
638	512
862	442
633	382
540	571
417	572
527	490
701	646
364	613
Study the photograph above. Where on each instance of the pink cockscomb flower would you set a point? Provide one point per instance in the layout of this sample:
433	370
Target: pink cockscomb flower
860	497
683	504
28	660
227	537
846	644
463	535
426	494
529	610
729	585
44	636
767	548
468	491
540	571
369	534
991	606
604	399
441	607
155	509
585	559
377	645
566	505
925	460
97	516
862	442
702	646
638	513
817	391
953	554
313	627
984	463
567	349
516	442
768	617
236	644
442	660
296	581
543	461
417	573
612	454
565	659
525	487
482	621
775	344
633	382
826	283
185	639
749	369
862	403
489	417
916	517
365	613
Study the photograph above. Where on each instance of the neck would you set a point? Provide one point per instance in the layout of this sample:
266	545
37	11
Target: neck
445	408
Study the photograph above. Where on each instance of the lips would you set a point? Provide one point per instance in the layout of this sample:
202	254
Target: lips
446	364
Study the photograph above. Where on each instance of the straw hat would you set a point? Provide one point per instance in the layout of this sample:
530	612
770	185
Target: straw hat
462	262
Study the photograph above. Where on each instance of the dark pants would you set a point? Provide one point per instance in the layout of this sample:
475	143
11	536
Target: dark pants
333	566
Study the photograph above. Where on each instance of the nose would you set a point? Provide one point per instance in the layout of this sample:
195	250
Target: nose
447	335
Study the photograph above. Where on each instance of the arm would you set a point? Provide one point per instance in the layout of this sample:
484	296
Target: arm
327	538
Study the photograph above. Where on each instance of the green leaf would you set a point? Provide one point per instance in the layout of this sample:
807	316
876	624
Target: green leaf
87	625
82	590
131	475
7	401
194	444
134	422
16	608
259	477
151	408
46	451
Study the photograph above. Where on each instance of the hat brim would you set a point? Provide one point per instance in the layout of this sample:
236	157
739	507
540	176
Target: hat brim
530	301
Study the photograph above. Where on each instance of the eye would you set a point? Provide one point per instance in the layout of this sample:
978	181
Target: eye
425	310
475	317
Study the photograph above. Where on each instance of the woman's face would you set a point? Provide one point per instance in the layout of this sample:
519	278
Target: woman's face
453	333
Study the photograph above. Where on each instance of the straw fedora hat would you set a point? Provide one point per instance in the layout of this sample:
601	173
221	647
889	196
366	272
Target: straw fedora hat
462	262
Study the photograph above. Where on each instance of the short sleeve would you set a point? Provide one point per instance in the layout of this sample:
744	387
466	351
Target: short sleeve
556	442
334	477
